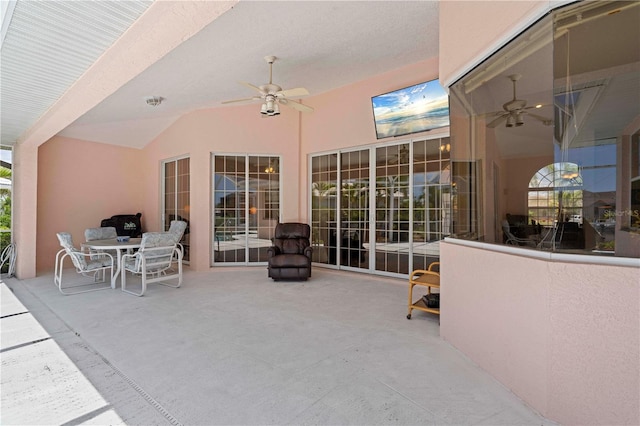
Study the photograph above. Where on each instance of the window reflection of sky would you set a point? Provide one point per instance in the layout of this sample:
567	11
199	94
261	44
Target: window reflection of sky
599	180
222	186
6	155
597	165
429	178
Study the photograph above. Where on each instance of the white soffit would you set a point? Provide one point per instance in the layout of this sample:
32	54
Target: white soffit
47	46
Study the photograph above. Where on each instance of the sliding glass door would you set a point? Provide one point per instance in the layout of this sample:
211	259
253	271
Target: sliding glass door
392	208
431	199
354	209
401	192
324	208
176	200
246	206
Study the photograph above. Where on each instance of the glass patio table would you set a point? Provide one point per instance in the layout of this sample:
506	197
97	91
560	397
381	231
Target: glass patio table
119	247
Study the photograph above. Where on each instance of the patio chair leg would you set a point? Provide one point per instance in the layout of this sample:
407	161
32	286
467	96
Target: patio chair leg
124	285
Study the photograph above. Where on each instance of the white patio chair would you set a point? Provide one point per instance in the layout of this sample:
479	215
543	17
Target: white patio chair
153	261
8	256
86	264
102	233
513	240
177	228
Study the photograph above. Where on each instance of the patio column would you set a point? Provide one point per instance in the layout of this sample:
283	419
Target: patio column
25	208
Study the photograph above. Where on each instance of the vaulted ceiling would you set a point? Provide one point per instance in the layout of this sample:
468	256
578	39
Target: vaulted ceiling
69	68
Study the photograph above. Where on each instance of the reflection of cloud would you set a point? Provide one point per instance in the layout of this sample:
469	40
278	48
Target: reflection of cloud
419	89
405	106
392	101
381	111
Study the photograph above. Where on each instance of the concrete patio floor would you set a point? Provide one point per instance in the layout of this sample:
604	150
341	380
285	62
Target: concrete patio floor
233	347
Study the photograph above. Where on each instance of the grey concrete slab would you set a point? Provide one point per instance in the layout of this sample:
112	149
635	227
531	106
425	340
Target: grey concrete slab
234	347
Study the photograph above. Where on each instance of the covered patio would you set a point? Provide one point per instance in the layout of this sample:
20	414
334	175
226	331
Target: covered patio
238	348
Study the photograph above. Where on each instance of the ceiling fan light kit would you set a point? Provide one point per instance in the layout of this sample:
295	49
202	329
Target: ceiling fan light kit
519	119
270	107
272	95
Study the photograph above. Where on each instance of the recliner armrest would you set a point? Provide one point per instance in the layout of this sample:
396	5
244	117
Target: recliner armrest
273	251
308	251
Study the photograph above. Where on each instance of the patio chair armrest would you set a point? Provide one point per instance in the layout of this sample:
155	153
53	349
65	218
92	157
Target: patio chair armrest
178	252
91	256
130	256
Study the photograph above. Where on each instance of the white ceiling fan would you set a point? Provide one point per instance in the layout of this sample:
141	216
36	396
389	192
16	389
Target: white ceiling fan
272	95
515	109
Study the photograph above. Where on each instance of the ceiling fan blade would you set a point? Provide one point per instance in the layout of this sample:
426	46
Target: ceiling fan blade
497	121
251	86
296	105
491	114
240	100
292	93
544	120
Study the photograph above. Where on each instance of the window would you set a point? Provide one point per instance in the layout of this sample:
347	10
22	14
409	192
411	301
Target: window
6	168
382	208
246	206
633	216
553	112
555	194
176	203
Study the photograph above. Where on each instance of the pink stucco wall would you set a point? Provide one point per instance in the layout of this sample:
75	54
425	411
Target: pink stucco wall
229	130
473	29
563	336
79	184
343	118
25	217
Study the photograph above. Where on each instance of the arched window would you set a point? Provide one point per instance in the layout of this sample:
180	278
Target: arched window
555	194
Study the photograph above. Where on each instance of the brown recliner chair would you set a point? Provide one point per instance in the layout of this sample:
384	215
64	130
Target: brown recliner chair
290	255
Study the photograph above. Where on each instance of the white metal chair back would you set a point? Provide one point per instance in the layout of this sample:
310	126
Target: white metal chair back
177	228
102	233
8	257
154	261
85	264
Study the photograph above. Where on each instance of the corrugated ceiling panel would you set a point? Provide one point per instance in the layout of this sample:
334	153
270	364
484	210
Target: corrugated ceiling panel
48	46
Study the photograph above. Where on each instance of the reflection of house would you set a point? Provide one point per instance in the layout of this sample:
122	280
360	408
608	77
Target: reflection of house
597	205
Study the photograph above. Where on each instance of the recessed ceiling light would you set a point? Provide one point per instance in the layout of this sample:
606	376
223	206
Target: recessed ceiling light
154	100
